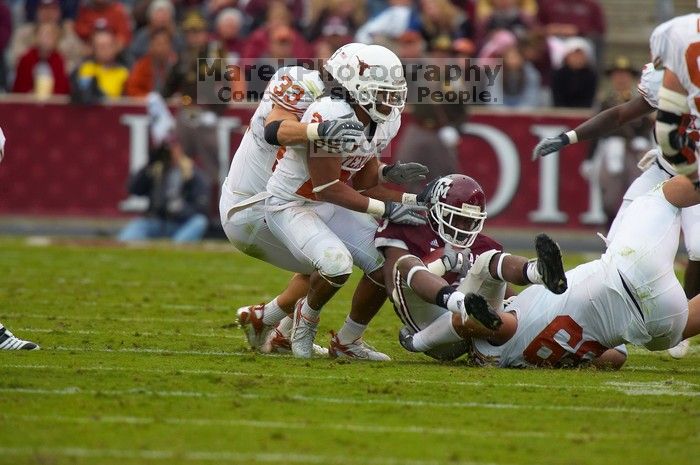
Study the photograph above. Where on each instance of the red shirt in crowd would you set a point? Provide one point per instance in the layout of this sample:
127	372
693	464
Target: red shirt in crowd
24	81
113	16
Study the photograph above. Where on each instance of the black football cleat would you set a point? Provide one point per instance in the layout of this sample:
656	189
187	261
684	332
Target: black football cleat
406	339
477	308
549	264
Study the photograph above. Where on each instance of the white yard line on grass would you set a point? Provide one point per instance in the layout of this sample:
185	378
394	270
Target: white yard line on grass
205	456
360	428
20	316
74	390
212	334
686	388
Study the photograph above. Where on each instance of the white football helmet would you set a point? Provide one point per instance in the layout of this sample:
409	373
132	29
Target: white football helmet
374	77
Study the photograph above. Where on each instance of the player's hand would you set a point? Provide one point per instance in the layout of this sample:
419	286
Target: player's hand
548	145
402	213
403	173
427	192
456	260
340	131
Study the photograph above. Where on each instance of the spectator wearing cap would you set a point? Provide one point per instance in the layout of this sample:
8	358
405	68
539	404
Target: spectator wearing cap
161	15
278	15
390	23
571	18
200	104
101	76
150	72
504	15
48	12
614	157
42	70
575	83
227	31
104	14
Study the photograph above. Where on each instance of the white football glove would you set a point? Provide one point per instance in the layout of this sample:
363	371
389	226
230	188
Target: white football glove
402	213
456	260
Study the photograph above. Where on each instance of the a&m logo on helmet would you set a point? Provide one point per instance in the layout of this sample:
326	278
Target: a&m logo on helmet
440	190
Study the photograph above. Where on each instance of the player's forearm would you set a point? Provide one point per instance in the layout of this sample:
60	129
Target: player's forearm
609	120
425	284
384	193
343	195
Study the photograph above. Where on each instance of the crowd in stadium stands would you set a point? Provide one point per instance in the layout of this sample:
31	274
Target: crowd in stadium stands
103	49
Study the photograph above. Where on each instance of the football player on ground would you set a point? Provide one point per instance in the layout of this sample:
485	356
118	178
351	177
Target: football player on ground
328	225
9	341
442	317
276	124
657	168
629	295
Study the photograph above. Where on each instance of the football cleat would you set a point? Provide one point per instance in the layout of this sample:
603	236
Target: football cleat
549	264
357	349
278	343
406	339
9	341
681	350
251	320
303	333
477	308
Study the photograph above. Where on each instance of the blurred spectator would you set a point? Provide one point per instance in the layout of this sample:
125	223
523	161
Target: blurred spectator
536	50
68	8
200	104
504	14
104	14
260	9
48	12
229	23
390	23
161	16
574	84
614	158
178	198
439	19
280	49
151	71
432	136
257	43
100	76
339	18
41	70
5	35
569	18
521	81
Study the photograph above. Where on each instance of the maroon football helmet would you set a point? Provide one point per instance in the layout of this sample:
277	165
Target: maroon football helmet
457	209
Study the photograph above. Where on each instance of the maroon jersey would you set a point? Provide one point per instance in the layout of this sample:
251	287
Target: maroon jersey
421	240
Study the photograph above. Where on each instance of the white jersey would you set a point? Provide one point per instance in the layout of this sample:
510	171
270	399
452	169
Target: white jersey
293	88
291	180
650	83
571	328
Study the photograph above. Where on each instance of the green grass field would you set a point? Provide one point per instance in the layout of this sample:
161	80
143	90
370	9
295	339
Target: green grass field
136	368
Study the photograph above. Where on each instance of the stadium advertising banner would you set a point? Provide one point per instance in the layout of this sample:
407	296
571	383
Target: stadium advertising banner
75	160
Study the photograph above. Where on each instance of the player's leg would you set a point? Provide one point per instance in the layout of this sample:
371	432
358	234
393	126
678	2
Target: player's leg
357	230
303	230
9	341
692	325
690	225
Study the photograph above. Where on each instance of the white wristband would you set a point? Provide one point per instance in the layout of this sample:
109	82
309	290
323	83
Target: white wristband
453	303
409	199
312	131
376	208
437	267
573	137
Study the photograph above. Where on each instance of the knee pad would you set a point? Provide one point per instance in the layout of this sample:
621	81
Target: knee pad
336	262
480	268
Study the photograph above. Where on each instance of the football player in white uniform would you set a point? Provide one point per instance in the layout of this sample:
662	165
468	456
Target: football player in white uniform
629	295
275	124
324	222
9	341
656	170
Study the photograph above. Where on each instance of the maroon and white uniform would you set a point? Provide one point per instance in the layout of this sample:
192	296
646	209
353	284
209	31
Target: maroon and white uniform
421	241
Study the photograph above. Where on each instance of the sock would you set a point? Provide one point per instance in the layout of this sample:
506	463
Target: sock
309	313
273	313
285	326
531	272
437	333
351	331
